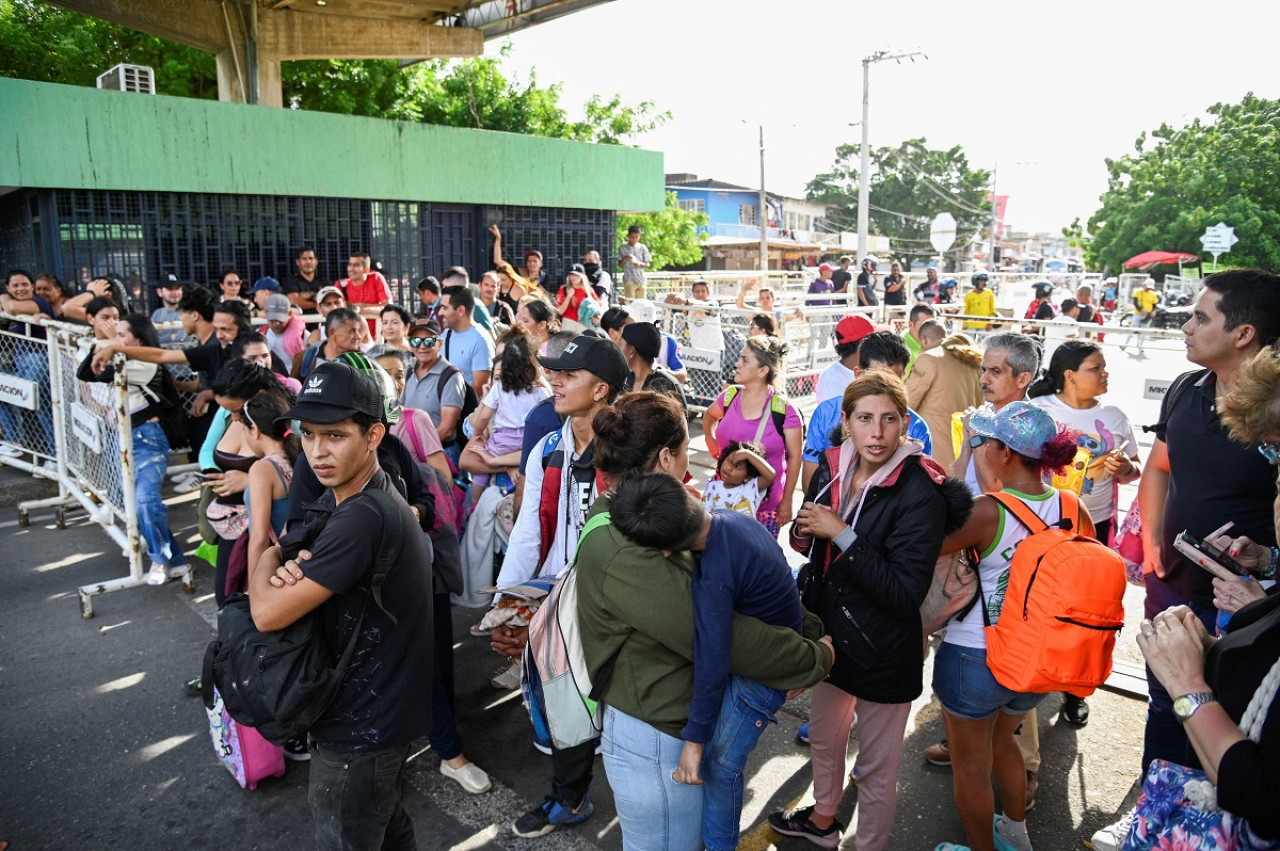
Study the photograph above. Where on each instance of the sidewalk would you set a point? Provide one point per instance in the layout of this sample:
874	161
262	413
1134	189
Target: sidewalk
103	749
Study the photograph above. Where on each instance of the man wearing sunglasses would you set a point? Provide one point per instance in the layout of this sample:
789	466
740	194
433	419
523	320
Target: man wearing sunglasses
433	385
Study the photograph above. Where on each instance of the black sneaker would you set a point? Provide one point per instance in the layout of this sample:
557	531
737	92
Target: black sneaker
1075	710
194	687
799	824
297	750
550	815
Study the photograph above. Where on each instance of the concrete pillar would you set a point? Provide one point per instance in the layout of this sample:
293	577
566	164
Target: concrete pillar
232	87
270	90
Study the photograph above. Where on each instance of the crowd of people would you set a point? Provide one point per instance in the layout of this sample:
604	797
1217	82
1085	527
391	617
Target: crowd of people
527	427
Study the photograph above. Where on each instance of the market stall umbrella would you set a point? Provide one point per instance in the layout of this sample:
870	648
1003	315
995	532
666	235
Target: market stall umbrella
1150	259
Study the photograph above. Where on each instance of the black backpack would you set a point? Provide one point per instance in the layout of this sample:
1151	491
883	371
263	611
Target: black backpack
281	682
470	401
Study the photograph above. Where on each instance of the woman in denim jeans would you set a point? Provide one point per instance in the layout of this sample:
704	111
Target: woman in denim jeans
148	403
635	612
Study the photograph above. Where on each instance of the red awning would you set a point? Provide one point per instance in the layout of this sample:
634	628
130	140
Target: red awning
1149	259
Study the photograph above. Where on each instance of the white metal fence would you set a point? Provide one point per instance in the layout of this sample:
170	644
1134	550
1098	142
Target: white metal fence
75	434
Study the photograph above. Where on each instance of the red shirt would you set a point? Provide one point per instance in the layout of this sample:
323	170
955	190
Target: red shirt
374	290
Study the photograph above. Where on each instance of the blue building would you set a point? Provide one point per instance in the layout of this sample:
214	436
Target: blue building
797	230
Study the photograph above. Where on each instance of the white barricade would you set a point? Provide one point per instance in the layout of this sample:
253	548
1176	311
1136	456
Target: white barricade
76	434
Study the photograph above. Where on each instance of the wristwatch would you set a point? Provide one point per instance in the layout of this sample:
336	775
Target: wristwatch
1184	707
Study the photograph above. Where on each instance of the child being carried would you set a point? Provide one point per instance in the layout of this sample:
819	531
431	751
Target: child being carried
739	567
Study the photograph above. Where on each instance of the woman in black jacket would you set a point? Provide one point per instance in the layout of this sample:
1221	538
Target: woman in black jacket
871	561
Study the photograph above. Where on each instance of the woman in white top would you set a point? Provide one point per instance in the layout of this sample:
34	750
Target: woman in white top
1022	444
1106	450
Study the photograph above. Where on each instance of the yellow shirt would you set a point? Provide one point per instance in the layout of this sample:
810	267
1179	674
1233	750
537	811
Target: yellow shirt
979	304
1146	300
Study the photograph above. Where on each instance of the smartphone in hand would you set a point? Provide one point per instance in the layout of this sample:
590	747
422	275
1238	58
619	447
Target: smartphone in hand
1209	557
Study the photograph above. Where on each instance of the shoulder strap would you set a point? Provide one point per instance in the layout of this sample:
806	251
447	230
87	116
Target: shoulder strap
280	473
1021	512
604	518
449	370
1175	392
549	448
448	338
413	436
729	393
389	546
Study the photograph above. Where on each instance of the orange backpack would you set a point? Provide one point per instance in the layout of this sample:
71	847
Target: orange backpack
1062	609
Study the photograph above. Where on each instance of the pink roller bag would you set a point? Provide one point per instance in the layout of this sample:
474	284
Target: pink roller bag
243	751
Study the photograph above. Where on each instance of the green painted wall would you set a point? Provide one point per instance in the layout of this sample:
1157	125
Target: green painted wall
72	137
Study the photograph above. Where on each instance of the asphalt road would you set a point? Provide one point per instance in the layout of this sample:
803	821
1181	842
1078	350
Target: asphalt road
101	749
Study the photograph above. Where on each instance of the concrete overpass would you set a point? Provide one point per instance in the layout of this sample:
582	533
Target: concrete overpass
251	38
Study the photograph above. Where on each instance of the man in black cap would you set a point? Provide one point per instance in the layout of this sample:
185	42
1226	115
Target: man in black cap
586	377
366	733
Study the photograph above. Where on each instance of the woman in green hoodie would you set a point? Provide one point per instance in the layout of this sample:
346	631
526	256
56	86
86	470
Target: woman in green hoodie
635	607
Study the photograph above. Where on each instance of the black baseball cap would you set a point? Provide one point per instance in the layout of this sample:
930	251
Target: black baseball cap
596	355
334	392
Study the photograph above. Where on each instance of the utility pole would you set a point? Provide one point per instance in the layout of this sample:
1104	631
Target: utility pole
764	218
995	223
864	178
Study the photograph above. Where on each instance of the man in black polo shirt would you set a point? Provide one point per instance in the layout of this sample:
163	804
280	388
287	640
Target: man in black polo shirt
302	284
1197	478
360	745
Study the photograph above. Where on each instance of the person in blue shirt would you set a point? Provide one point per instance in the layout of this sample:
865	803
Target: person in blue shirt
466	345
739	568
879	350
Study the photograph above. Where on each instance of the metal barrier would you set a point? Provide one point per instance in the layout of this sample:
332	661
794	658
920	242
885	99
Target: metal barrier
712	338
79	436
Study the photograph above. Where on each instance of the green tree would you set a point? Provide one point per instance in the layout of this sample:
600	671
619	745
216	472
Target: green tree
1180	181
910	184
672	235
39	41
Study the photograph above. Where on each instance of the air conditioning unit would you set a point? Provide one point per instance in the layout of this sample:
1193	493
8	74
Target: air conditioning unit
129	78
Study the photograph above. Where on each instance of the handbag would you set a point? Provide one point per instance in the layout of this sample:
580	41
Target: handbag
953	590
1129	544
1179	803
228	521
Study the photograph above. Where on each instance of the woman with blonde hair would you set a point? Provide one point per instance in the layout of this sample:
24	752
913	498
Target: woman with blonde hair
754	410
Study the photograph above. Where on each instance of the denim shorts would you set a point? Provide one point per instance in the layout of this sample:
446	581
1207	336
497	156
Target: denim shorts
966	687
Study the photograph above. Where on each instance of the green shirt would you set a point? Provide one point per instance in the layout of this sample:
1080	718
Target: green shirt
913	346
635	598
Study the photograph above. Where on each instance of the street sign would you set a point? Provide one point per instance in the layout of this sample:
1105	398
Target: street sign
942	232
1218	239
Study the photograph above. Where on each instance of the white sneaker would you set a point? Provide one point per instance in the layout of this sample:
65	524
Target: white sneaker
1111	837
470	777
188	482
158	574
507	679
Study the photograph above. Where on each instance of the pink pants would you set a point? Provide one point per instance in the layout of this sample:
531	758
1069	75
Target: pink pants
880	730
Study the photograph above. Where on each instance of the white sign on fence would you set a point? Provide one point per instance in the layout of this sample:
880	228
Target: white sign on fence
18	392
704	359
84	424
1155	388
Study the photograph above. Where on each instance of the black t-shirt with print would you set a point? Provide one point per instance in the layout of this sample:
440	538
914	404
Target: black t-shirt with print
385	699
840	280
295	283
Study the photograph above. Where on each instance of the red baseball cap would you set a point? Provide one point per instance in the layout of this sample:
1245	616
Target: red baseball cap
826	267
851	329
532	253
